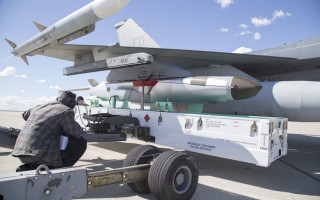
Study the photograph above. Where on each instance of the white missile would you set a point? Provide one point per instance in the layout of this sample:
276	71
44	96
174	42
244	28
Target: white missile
192	89
75	25
204	89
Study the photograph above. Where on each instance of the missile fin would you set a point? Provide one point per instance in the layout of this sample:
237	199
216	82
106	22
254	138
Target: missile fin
93	82
24	58
12	44
54	45
40	27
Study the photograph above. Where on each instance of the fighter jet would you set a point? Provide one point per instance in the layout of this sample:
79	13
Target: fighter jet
227	83
293	70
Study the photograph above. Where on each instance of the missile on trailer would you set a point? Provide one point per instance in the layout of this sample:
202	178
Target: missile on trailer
192	89
205	89
75	25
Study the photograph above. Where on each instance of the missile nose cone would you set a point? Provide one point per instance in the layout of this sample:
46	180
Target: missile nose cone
242	88
105	8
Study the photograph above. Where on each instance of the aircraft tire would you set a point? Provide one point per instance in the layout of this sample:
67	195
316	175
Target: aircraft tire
140	155
173	175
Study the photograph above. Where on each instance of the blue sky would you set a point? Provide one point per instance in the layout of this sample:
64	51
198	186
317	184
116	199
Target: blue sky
212	25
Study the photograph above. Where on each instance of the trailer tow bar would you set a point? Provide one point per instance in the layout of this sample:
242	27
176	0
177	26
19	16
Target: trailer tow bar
96	180
179	178
66	183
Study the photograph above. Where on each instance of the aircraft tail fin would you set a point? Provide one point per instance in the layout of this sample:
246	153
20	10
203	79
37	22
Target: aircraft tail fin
13	45
40	27
24	58
93	82
131	34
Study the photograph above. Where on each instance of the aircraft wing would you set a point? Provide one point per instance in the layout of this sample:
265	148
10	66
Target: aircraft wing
64	52
254	65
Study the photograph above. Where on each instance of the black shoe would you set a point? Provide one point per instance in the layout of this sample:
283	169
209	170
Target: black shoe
24	167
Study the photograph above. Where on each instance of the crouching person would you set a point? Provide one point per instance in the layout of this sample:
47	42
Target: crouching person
39	140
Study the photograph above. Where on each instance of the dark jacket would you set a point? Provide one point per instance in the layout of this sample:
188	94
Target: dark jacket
40	136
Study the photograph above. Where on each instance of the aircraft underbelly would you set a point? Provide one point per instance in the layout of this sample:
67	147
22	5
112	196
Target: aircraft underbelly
296	100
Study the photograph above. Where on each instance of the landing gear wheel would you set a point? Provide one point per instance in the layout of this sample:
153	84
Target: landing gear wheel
173	175
140	155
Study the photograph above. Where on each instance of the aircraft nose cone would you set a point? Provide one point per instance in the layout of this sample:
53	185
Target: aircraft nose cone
242	88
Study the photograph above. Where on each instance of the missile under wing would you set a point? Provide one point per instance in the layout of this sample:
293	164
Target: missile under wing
181	65
75	25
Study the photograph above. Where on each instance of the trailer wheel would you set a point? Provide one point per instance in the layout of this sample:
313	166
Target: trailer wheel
173	175
140	155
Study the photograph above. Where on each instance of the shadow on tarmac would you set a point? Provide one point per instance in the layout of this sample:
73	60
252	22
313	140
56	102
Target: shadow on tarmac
124	191
295	173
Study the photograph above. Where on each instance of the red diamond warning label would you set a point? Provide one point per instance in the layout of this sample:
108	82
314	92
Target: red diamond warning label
147	118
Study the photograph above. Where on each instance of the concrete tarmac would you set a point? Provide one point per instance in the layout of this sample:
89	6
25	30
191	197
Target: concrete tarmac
295	176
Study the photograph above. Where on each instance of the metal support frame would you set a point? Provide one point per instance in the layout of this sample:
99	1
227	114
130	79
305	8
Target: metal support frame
142	96
118	176
66	183
104	137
